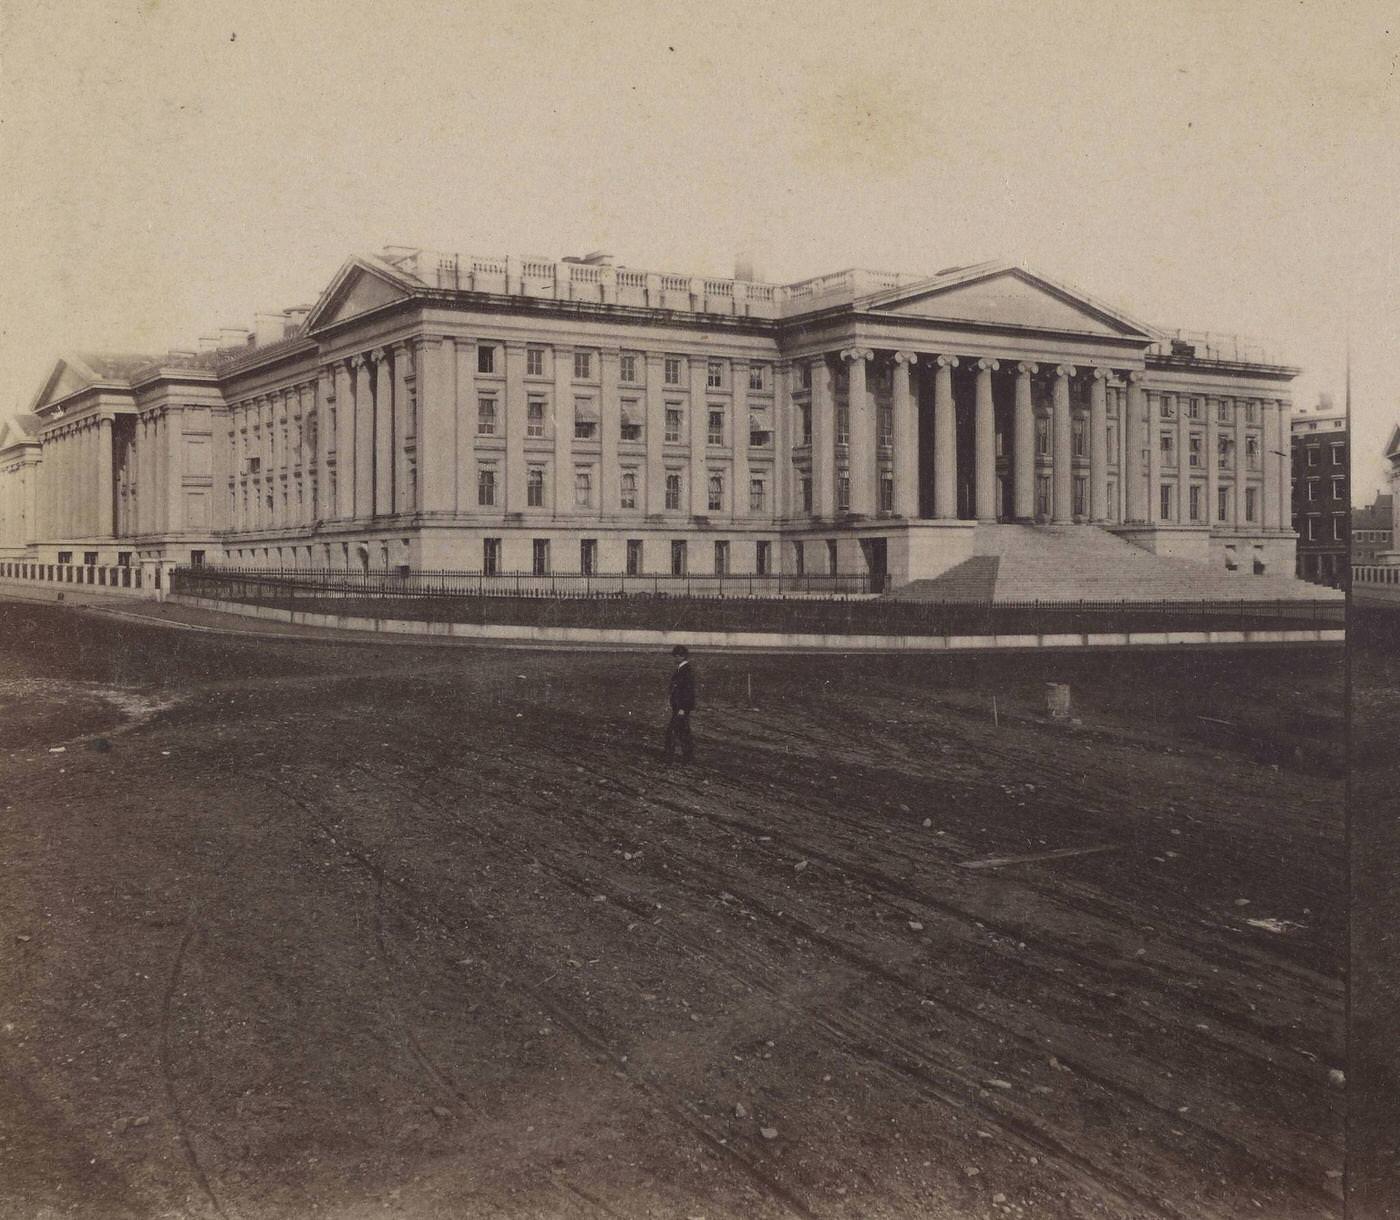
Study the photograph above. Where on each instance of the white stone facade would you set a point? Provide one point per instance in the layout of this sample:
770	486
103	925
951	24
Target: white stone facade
465	413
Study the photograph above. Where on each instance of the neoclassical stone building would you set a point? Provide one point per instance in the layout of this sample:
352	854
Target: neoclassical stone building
443	411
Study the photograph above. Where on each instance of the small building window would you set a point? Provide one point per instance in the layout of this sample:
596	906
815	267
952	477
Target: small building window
1195	444
1080	494
721	558
673	424
540	556
1166	505
627	367
673	370
758	376
843	491
583	489
583	366
714	375
534	487
628	495
886	426
1193	408
886	492
806	411
631	420
1166	407
715	499
677	557
486	487
807	494
1194	502
534	417
1222	504
1077	438
634	557
1168	442
1222	411
673	490
1251	448
763	557
1338	487
843	425
716	431
758	495
490	556
1251	503
485	358
534	362
486	417
588	556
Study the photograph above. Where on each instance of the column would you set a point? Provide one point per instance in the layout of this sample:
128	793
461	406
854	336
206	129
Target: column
437	424
699	421
864	441
345	439
655	434
1284	457
1098	447
363	390
1133	428
1183	460
985	444
1268	443
1212	442
945	441
564	430
105	488
823	408
609	432
1154	458
906	435
382	475
135	492
174	469
325	508
513	413
403	429
1023	445
782	444
310	438
1241	465
1062	449
739	370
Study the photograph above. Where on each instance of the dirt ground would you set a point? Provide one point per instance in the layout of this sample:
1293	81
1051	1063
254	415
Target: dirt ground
315	928
1374	1089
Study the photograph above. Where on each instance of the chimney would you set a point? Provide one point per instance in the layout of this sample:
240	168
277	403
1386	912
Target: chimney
208	343
598	258
269	327
233	336
295	317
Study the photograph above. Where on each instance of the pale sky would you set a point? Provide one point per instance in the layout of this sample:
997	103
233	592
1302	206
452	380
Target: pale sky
170	166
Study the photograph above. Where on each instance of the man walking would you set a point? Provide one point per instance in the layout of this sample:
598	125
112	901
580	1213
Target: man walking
682	705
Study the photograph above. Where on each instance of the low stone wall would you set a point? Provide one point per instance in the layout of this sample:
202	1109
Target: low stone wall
762	641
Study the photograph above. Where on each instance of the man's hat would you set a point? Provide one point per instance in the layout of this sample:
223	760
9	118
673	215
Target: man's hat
680	650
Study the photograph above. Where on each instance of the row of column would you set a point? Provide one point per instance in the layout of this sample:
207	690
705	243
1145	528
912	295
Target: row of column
277	429
75	496
155	475
1140	490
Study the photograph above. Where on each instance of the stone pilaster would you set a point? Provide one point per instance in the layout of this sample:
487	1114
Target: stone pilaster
823	408
174	469
1062	449
945	438
984	444
1134	429
863	441
382	474
655	435
1023	445
437	424
1211	408
563	431
906	435
1284	457
106	491
739	439
609	432
1099	509
699	424
1241	465
512	420
1183	461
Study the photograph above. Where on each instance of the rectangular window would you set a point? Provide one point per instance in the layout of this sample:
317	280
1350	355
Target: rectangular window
1042	436
673	490
721	558
673	370
1194	502
534	417
806	376
716	432
677	557
486	487
486	417
1312	489
1168	448
1077	439
763	557
1312	529
1222	411
1195	443
89	559
799	558
806	410
1166	505
807	495
758	495
831	556
1338	487
1251	503
1222	504
1167	410
1338	457
1251	412
843	491
759	436
629	489
1042	495
583	488
1338	532
715	499
1193	409
634	557
757	376
886	426
1222	452
714	375
585	426
540	556
485	358
534	362
673	425
843	425
534	487
886	492
1079	495
1314	455
1251	448
583	366
627	367
588	556
490	556
631	420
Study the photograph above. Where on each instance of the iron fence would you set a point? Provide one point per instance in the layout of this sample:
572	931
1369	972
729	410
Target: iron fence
101	576
463	598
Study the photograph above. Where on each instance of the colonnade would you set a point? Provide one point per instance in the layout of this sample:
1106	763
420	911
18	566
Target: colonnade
76	492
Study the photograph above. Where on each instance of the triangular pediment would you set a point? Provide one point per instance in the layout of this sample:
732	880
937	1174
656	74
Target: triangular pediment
1009	296
1392	450
69	375
360	286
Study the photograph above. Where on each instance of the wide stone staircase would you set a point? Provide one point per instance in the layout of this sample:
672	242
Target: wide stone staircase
1068	563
